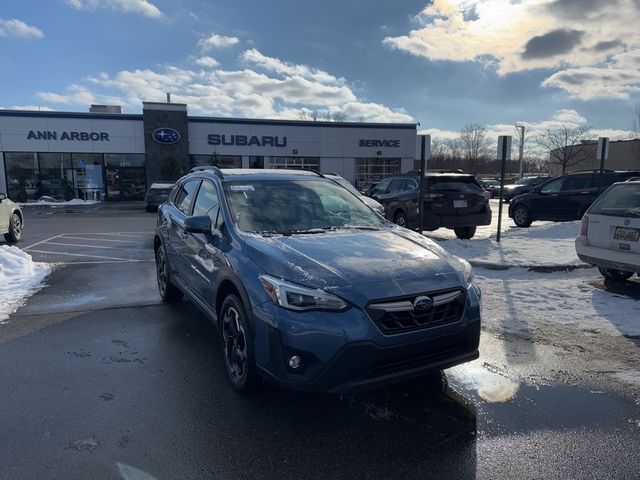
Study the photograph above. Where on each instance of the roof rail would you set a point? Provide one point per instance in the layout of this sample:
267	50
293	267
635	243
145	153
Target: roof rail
213	168
314	171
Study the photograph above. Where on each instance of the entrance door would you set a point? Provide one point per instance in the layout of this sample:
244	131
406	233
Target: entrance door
125	183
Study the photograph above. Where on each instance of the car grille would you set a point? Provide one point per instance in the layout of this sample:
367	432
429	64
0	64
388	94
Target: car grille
398	315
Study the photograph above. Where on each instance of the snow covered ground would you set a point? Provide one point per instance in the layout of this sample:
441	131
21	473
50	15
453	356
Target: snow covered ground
20	277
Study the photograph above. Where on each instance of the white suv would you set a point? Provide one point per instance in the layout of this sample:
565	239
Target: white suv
610	232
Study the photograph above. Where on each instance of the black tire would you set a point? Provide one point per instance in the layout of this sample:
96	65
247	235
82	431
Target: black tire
15	229
400	219
522	216
615	275
237	345
168	291
465	233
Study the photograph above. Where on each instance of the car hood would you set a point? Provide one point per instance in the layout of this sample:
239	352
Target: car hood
359	265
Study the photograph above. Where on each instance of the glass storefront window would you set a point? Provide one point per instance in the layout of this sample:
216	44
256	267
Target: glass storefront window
56	175
222	161
87	167
304	163
372	170
23	177
256	162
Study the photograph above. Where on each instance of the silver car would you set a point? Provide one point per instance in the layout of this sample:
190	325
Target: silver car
11	219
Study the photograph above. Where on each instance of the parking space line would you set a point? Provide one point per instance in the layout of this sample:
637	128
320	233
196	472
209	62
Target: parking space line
84	255
101	246
97	239
103	261
128	234
41	241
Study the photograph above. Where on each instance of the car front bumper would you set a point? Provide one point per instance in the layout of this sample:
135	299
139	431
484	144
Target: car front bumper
607	258
345	352
434	220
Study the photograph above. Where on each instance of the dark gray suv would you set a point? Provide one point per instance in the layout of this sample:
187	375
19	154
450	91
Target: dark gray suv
451	200
308	287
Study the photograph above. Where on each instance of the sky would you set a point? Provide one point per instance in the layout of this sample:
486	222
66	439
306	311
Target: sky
439	63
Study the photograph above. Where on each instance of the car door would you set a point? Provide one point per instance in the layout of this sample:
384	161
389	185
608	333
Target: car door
4	213
577	193
177	249
545	203
205	250
410	196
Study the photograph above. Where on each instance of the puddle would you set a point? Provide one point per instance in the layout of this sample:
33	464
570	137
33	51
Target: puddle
79	301
505	405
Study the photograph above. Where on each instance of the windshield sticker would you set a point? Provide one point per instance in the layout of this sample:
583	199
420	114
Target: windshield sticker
241	188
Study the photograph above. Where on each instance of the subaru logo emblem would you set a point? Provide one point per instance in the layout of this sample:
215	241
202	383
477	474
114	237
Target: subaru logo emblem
166	135
627	222
423	303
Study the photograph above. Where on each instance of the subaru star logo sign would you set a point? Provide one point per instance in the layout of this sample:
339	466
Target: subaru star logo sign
166	135
423	303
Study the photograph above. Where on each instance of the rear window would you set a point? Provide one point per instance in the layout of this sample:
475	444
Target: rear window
619	201
454	184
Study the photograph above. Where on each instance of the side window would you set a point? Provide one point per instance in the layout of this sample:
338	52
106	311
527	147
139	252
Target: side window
396	185
411	184
208	203
184	199
553	186
577	182
381	187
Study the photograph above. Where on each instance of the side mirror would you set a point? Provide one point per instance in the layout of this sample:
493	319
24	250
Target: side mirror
197	224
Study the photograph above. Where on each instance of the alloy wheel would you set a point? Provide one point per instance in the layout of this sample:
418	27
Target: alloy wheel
235	345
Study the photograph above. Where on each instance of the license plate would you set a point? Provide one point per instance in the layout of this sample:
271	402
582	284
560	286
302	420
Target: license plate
626	234
459	204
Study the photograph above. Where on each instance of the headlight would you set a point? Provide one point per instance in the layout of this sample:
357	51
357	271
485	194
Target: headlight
467	269
296	297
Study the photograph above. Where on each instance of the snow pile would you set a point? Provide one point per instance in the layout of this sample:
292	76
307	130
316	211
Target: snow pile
20	277
75	201
547	245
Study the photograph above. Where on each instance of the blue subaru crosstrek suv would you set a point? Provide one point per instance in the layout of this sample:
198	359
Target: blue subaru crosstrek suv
308	287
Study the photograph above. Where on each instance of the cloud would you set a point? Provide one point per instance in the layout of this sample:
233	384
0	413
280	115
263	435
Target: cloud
553	43
216	41
589	83
563	36
142	7
284	90
42	108
207	62
17	28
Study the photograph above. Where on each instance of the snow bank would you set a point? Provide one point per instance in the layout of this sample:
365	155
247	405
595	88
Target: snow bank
20	277
75	201
550	244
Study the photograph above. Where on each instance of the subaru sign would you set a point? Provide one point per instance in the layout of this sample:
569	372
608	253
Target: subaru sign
166	135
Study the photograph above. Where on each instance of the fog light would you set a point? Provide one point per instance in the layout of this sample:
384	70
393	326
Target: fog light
295	362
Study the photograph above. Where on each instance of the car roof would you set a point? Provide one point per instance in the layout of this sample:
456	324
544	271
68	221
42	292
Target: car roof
247	174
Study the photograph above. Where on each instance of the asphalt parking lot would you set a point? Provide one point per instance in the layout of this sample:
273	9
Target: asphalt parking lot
99	379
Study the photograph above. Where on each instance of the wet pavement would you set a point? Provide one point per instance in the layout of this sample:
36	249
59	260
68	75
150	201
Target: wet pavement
99	379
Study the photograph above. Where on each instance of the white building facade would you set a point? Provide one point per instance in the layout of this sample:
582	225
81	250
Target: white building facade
116	156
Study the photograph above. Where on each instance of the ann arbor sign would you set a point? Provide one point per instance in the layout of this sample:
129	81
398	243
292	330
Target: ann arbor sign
70	136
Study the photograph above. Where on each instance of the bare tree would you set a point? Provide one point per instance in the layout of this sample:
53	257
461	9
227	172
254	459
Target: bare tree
338	116
566	144
474	143
303	115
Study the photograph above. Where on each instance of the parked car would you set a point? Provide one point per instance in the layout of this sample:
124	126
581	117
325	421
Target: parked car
563	198
451	200
491	186
610	232
308	288
157	194
11	219
370	202
521	186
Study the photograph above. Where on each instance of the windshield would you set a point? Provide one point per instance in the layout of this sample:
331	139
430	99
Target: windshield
296	206
525	181
345	183
619	201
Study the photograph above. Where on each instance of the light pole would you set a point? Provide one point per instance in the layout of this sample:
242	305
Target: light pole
521	156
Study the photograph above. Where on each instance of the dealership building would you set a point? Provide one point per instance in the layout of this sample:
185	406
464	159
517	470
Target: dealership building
107	155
